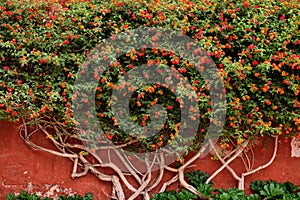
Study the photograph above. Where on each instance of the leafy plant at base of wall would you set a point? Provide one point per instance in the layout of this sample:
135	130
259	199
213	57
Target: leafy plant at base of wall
172	195
269	190
198	180
25	196
231	194
274	190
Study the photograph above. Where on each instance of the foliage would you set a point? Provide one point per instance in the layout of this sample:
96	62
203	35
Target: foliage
198	180
25	196
231	194
255	45
261	190
170	195
274	190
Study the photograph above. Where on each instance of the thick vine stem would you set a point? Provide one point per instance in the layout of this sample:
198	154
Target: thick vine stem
144	180
224	163
161	173
241	185
144	184
23	132
240	150
168	183
118	188
80	155
188	186
133	171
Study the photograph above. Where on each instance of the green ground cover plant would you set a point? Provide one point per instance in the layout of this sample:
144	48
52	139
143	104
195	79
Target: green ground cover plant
261	190
25	196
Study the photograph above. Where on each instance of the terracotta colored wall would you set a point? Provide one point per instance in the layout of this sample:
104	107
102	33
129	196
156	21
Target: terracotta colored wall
23	168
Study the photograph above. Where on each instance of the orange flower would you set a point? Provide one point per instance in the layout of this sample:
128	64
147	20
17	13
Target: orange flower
49	136
284	73
176	61
275	67
296	119
151	89
110	84
172	136
138	103
44	108
265	88
103	80
193	118
240	141
281	91
160	143
254	87
108	136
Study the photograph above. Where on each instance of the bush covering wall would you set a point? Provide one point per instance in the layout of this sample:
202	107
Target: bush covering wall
255	45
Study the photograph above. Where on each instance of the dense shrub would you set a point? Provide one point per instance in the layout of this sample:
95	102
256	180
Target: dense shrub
26	196
260	190
255	45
